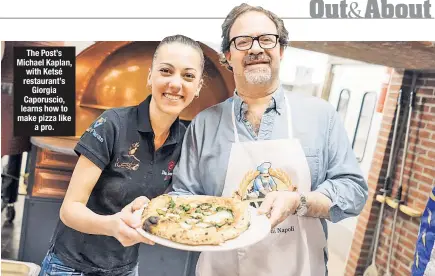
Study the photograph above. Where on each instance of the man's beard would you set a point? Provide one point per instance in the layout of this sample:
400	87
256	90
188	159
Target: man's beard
258	75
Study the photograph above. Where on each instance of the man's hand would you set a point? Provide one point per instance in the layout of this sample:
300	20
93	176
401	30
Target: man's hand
123	224
279	205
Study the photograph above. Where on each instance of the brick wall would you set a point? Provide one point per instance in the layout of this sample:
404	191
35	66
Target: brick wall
418	178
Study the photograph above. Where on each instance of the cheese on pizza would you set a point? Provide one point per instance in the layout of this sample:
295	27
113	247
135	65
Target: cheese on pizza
196	220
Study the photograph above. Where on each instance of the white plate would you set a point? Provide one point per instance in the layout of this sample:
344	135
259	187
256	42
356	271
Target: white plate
259	228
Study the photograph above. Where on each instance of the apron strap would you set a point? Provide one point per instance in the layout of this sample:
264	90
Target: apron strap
236	135
289	121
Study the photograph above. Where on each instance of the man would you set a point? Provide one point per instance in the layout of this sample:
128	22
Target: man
302	137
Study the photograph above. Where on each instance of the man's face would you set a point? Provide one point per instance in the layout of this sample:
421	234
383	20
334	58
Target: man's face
256	65
264	176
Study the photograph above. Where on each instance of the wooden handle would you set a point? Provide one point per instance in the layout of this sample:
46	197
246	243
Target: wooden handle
403	208
410	211
380	198
391	202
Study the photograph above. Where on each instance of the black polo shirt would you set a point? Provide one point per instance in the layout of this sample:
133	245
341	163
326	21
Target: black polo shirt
121	143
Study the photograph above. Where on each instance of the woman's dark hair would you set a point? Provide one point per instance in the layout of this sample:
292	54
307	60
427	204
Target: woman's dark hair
182	40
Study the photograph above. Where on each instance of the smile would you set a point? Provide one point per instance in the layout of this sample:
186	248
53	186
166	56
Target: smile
172	97
257	62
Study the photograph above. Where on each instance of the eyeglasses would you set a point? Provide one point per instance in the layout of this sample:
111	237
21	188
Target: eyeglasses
245	42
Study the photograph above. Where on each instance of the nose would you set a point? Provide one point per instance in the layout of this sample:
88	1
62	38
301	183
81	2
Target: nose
256	49
175	84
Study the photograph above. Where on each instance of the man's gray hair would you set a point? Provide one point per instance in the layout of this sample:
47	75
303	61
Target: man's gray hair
231	18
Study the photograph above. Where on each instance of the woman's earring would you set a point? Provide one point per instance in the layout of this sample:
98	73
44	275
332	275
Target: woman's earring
196	96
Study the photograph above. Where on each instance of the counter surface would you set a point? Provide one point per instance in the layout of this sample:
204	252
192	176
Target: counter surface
56	144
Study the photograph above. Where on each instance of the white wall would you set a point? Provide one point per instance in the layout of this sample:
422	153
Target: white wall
80	45
359	79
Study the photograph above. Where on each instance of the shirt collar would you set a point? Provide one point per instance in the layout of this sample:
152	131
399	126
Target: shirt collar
144	122
276	102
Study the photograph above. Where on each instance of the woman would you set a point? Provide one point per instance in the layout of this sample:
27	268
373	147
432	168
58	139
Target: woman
126	156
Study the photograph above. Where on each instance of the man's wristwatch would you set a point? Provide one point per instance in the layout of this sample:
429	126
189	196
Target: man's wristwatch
302	209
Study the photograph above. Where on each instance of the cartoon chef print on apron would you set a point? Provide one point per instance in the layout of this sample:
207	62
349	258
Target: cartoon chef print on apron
295	246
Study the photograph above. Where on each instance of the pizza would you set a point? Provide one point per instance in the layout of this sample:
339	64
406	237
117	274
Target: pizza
196	219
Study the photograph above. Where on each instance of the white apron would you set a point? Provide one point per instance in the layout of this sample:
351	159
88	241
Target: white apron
294	247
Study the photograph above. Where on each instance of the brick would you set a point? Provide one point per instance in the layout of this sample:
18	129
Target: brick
421	160
408	254
427	143
373	177
420	205
428	117
363	221
410	202
420	151
409	226
386	124
354	256
360	230
351	265
422	178
412	139
425	188
427	74
394	89
431	154
381	143
416	122
410	156
396	80
422	134
420	197
384	132
414	194
429	83
380	155
426	109
430	126
403	270
426	91
417	168
429	172
428	101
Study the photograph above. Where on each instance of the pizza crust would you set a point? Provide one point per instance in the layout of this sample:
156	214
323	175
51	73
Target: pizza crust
196	220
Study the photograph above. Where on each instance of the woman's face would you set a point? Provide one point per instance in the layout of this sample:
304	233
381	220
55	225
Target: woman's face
175	77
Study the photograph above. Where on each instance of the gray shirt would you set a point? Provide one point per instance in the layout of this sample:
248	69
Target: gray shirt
334	169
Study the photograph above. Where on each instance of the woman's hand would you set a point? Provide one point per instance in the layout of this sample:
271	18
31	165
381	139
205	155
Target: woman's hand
123	225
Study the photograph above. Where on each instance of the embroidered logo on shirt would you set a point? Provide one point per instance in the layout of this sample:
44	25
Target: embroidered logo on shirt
129	161
99	122
92	131
168	174
255	185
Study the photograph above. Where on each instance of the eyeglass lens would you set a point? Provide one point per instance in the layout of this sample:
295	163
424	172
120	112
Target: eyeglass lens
245	42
